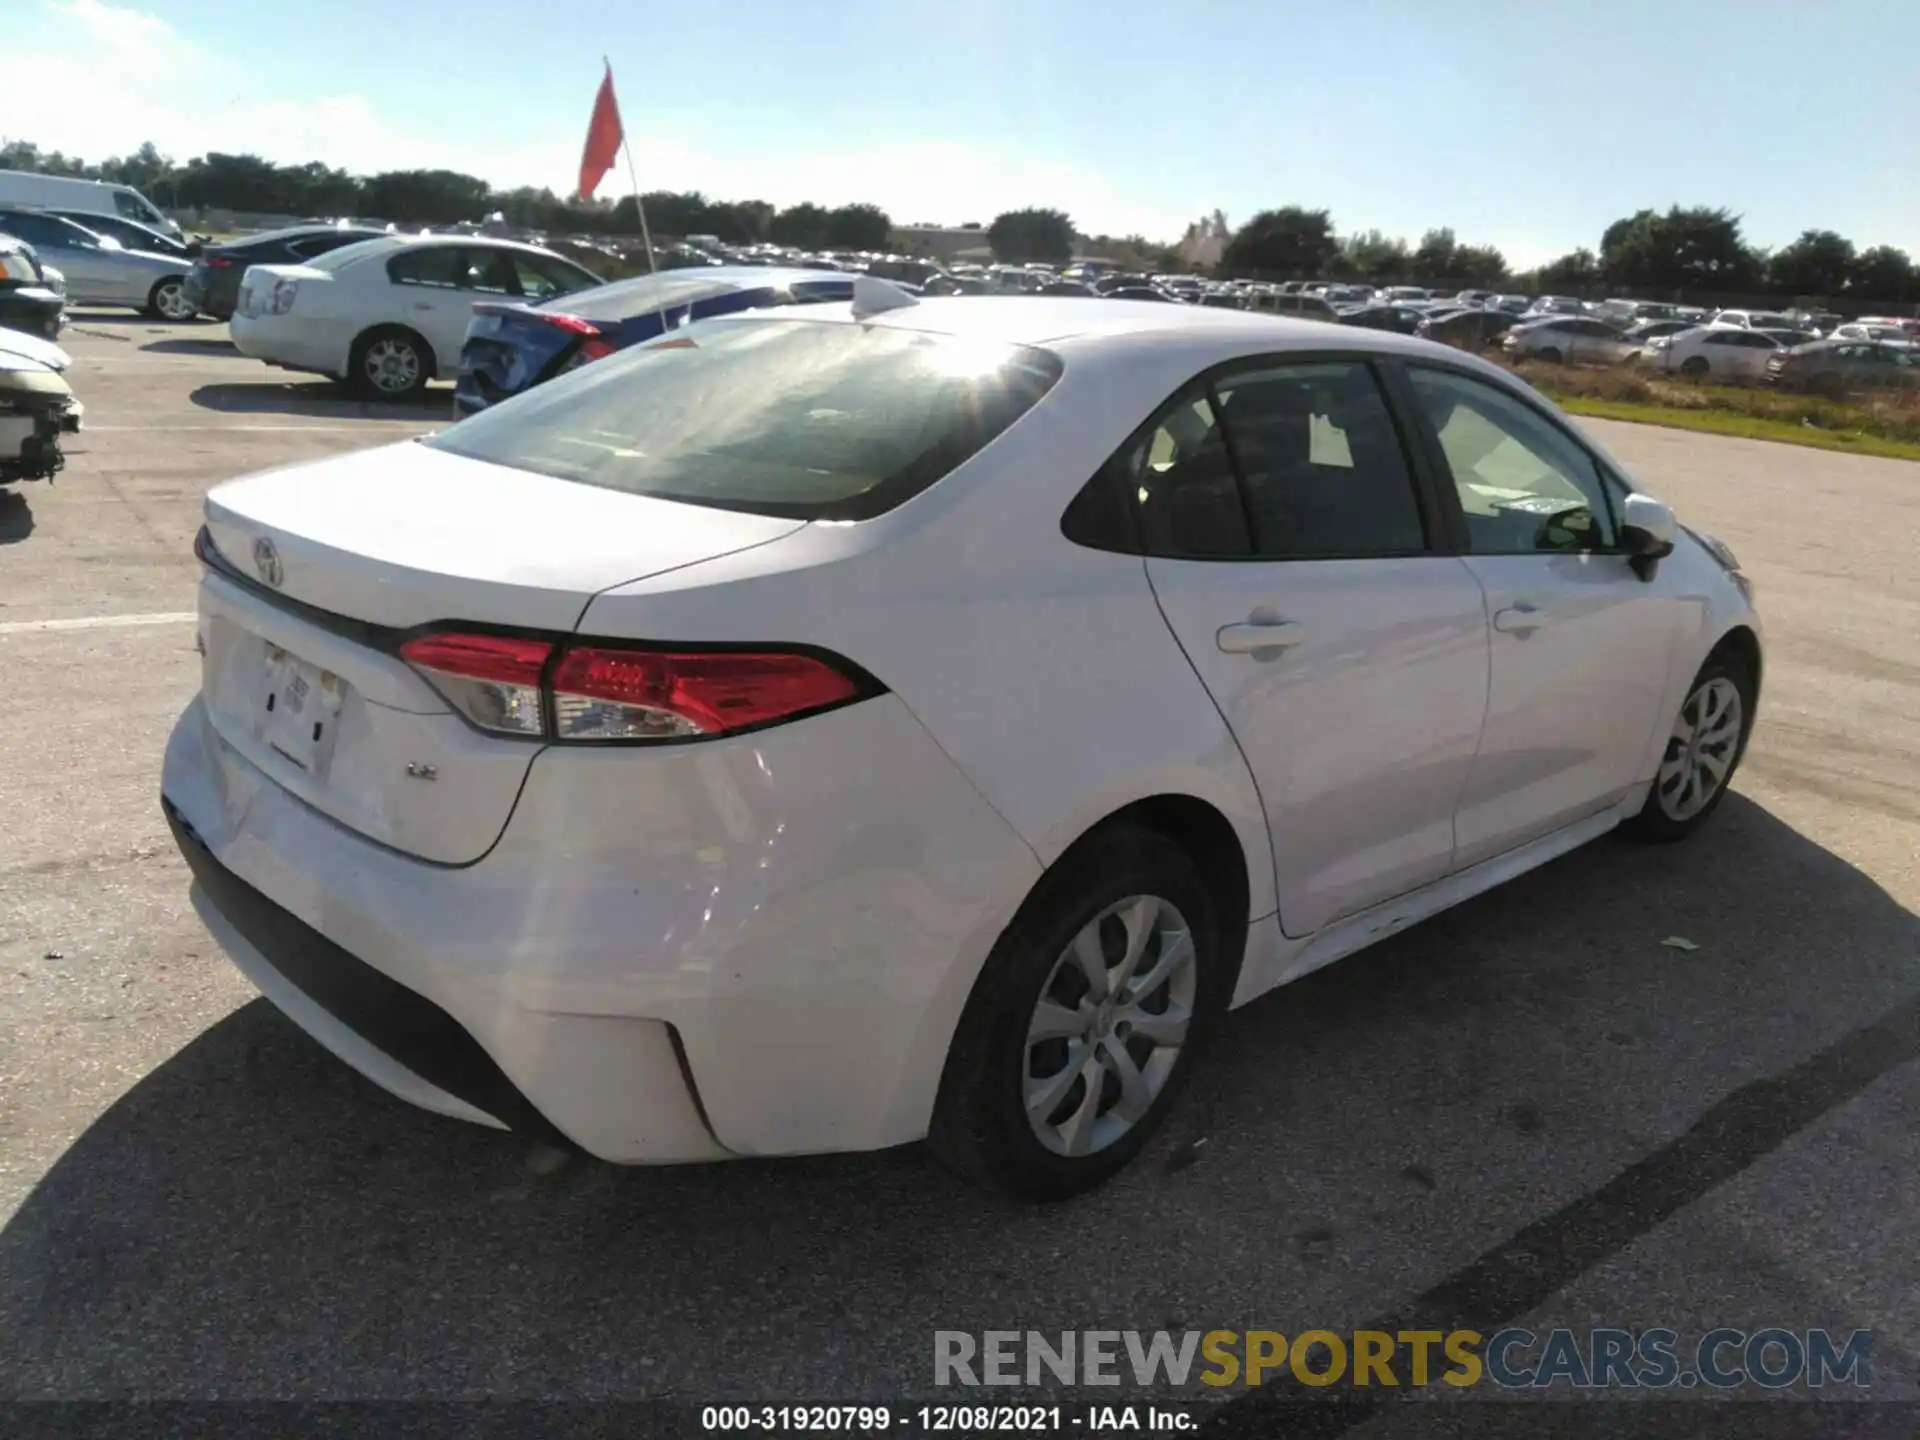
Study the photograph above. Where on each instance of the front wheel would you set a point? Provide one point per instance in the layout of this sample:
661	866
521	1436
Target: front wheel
1694	365
168	301
1704	748
1083	1024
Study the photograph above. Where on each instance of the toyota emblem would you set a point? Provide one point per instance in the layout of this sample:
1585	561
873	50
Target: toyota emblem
266	560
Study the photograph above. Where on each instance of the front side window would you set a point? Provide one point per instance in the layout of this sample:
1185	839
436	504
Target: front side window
542	277
811	420
129	206
1523	482
488	271
1323	466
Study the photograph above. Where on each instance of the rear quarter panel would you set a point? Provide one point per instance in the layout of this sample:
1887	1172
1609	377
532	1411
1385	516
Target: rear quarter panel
1043	668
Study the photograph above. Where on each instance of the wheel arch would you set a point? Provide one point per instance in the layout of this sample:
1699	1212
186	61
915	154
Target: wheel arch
1743	644
1203	831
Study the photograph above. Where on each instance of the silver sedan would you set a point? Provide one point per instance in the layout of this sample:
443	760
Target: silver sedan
99	270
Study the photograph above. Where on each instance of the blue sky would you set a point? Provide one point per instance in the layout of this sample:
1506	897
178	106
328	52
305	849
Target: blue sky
1521	123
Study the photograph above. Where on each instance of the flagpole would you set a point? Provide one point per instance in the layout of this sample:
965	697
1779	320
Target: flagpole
633	179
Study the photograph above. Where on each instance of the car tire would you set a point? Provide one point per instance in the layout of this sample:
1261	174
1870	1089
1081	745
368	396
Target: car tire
1549	354
1116	884
1694	366
1672	810
390	363
168	301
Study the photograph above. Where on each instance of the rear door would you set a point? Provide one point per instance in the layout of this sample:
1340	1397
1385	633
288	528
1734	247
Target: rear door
1580	645
1287	537
434	287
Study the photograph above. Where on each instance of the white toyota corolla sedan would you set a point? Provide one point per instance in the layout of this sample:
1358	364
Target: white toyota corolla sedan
818	731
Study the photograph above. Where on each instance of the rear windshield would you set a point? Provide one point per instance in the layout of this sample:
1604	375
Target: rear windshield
808	420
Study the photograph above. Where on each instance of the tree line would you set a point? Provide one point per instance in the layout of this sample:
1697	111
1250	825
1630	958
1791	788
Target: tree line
1686	250
250	184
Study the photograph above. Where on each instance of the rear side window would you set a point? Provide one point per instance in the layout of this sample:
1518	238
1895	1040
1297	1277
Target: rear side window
816	421
1179	476
1324	468
439	266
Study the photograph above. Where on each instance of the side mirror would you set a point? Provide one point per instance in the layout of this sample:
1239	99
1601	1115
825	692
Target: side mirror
1647	531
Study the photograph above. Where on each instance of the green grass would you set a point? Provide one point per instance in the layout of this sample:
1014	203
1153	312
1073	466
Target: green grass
1749	427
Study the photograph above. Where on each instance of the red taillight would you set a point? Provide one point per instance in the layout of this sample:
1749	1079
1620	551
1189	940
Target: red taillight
494	680
593	344
606	693
203	550
601	694
572	324
217	262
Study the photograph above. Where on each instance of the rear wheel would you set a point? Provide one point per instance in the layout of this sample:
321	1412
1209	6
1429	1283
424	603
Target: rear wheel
168	301
1704	747
390	364
1083	1024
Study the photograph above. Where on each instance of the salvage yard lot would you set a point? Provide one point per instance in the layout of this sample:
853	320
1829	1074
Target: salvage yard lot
198	1200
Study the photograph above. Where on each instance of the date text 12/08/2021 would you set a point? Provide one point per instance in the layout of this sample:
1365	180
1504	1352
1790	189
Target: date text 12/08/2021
962	1419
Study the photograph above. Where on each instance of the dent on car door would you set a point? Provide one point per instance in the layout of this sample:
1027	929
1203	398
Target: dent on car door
1580	644
1287	541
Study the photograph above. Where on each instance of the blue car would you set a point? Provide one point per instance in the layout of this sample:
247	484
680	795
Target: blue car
513	346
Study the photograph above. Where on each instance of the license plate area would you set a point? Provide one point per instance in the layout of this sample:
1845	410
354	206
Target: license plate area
300	710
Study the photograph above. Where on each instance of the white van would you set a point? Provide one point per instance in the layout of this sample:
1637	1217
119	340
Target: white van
95	197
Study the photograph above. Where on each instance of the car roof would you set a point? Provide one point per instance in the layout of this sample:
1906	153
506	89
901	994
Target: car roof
292	232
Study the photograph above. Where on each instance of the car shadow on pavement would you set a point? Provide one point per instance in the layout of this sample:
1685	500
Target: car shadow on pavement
209	346
16	517
323	399
252	1218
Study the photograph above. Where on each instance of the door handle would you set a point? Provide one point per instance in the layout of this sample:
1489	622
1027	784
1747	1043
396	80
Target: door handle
1521	619
423	305
1258	635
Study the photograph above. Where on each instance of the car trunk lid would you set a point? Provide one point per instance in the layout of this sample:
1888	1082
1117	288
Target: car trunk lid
319	572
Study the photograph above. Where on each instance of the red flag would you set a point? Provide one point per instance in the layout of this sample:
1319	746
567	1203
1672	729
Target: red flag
603	139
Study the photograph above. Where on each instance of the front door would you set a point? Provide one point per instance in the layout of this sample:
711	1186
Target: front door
1288	547
1580	644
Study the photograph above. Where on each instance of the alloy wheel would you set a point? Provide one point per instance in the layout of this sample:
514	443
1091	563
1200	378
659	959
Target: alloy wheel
392	366
1701	750
172	302
1109	1025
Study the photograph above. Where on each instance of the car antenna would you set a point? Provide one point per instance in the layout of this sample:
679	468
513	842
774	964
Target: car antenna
871	295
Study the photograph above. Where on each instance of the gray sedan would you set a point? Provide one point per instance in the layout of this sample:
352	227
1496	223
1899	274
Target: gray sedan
99	270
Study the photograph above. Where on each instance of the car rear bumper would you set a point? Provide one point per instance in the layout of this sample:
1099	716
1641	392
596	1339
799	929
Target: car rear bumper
744	947
290	343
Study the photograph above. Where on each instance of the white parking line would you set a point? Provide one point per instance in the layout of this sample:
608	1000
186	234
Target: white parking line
98	622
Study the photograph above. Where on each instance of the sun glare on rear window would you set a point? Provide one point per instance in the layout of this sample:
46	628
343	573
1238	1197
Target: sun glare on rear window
816	421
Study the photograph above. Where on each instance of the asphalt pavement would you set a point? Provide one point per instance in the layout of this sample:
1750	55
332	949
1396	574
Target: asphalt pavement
1527	1111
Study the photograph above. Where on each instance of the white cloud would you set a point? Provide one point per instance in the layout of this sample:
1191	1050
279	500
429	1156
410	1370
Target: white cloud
98	79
